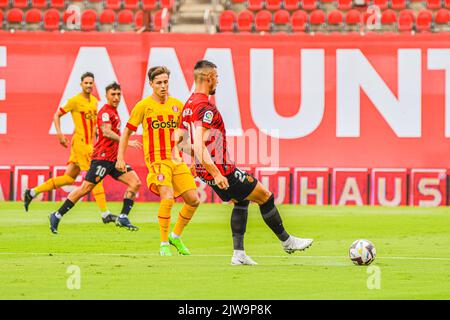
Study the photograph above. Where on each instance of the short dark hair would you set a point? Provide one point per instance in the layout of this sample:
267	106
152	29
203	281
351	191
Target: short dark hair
156	71
204	64
87	74
113	86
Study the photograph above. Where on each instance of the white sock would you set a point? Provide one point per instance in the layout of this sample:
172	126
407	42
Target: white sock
33	193
239	253
58	215
122	215
164	243
105	214
175	235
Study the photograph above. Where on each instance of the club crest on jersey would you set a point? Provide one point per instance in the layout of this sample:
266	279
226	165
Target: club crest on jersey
175	108
208	117
160	177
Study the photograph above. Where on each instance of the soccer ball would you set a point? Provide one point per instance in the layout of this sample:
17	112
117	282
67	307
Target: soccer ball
362	252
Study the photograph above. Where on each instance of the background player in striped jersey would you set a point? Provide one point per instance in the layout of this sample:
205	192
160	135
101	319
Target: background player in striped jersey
206	129
103	163
83	108
169	177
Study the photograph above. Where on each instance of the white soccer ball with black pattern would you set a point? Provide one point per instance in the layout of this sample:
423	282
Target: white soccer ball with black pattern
362	252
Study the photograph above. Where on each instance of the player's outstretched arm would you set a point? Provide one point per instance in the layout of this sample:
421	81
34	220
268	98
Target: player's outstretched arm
56	119
202	154
108	133
123	143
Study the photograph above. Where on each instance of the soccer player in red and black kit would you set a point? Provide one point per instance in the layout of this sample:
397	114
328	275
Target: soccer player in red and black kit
103	163
207	134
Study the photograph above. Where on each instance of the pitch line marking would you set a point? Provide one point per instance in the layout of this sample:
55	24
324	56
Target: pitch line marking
215	255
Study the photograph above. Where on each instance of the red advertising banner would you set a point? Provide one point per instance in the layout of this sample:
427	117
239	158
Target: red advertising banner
26	177
311	186
388	187
349	187
5	182
428	187
377	101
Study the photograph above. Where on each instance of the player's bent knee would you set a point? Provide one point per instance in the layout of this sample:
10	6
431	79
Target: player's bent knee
194	202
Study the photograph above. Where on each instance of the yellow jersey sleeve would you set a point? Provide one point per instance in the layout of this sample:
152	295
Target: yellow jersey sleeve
136	117
70	106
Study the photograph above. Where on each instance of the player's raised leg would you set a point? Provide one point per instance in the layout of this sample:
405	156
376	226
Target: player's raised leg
71	200
238	228
71	173
265	199
191	203
131	179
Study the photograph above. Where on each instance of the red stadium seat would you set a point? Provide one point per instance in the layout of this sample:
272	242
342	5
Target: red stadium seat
4	4
299	21
447	4
112	4
149	4
335	20
33	19
423	21
131	4
1	19
309	5
442	16
433	4
255	5
273	5
139	19
89	20
353	17
388	17
406	21
57	4
227	21
263	21
161	20
39	4
291	5
398	4
20	4
281	17
345	4
317	20
382	4
52	19
245	21
33	16
125	16
169	4
108	16
14	17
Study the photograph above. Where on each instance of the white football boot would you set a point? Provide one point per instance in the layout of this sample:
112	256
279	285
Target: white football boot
293	244
242	260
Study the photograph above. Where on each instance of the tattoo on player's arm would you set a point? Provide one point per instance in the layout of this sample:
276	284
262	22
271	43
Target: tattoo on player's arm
108	133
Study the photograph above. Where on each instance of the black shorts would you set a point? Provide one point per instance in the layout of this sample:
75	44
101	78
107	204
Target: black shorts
241	186
100	169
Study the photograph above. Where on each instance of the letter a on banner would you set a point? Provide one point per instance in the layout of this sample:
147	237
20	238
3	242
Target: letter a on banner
97	61
226	95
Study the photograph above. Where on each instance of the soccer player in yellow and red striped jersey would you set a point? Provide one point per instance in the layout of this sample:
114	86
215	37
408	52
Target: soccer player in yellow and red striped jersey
83	108
169	177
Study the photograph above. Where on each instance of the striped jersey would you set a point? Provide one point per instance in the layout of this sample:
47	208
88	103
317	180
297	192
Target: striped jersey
159	121
84	115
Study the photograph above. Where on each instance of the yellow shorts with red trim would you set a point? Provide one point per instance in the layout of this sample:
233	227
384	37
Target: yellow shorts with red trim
80	153
171	174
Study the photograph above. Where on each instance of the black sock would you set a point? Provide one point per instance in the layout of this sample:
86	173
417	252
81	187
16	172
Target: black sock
272	218
67	205
239	223
127	205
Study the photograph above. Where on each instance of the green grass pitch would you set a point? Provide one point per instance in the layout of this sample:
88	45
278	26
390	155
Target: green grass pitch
413	255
